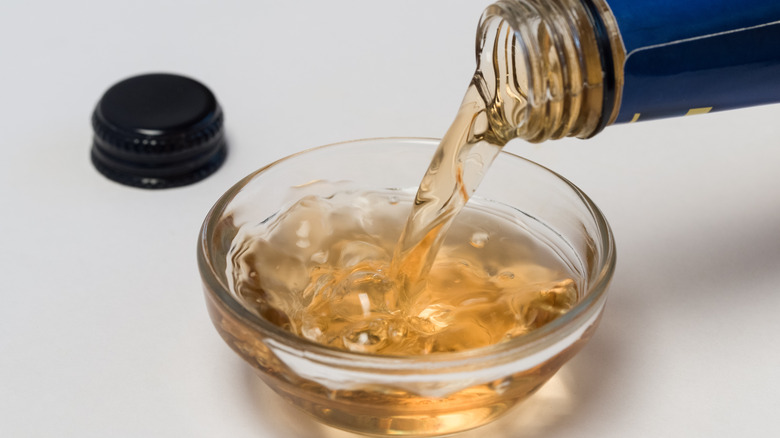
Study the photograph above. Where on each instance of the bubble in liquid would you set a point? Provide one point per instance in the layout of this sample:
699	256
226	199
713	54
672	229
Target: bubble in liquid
440	316
312	333
303	229
397	330
366	336
506	275
479	239
319	257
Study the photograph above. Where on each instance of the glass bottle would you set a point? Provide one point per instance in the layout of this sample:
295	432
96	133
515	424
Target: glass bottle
558	68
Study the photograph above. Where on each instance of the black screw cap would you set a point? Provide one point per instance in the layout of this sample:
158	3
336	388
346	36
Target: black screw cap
158	131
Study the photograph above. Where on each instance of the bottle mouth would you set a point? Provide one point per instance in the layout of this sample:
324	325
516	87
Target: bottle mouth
545	68
504	74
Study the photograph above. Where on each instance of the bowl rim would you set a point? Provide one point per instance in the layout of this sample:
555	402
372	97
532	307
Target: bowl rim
528	343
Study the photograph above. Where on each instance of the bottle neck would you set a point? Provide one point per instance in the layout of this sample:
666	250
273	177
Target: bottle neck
549	68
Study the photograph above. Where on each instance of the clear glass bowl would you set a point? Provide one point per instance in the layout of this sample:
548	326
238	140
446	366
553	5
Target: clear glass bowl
419	395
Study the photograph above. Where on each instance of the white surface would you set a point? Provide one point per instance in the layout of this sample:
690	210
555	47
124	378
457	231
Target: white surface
103	328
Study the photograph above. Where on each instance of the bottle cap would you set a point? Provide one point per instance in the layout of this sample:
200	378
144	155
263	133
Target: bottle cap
158	131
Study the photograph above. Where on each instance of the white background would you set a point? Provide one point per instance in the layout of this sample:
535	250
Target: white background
103	328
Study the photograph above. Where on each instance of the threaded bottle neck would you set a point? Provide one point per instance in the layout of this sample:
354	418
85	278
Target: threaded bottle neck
545	68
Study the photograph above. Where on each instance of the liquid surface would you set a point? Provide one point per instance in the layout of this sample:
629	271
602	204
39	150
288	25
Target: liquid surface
324	270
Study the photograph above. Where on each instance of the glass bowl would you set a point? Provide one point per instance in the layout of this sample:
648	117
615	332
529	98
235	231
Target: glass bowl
418	395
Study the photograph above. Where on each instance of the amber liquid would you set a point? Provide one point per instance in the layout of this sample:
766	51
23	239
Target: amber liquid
325	271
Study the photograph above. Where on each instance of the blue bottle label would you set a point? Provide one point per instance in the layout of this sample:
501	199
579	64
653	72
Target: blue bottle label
695	56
